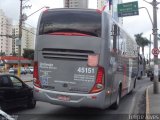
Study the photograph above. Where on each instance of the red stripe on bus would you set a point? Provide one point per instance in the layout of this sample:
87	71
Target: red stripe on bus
69	34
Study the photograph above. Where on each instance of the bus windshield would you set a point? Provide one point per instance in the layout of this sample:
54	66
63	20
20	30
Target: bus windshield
88	23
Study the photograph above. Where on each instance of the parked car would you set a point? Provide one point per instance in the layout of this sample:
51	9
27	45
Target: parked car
27	70
31	69
14	93
13	70
5	116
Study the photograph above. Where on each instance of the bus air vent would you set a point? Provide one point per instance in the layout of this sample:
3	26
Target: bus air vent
66	54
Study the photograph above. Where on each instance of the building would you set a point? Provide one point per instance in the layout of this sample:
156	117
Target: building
28	36
100	4
15	32
76	3
7	62
9	34
5	30
111	6
115	12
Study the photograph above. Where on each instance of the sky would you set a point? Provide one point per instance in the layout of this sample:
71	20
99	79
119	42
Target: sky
133	24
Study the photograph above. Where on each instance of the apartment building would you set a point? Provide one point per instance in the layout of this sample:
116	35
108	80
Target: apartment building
27	41
100	4
111	6
76	3
5	30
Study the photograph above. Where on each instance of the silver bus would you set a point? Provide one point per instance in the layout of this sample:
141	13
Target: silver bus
83	58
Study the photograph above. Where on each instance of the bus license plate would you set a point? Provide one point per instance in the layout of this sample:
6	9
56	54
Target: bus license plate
64	98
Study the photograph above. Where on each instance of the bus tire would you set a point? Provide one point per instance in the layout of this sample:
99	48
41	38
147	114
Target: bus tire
116	104
134	86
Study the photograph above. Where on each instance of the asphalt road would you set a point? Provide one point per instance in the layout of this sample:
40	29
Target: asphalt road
131	104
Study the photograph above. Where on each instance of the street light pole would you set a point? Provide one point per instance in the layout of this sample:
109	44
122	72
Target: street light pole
147	13
38	10
21	19
20	37
154	3
150	51
156	84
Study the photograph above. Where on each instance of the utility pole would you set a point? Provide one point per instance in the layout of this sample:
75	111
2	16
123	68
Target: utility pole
154	3
20	37
21	19
149	51
155	83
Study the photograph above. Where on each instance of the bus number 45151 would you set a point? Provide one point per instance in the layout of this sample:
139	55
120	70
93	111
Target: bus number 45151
86	70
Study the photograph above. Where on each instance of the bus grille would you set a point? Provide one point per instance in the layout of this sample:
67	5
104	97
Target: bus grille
66	54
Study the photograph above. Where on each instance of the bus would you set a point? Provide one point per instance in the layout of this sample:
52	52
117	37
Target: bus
83	58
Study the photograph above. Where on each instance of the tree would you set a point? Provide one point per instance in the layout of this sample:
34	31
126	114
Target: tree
14	54
142	41
2	53
28	53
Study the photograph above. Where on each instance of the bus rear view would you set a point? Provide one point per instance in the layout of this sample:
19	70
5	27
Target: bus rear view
66	70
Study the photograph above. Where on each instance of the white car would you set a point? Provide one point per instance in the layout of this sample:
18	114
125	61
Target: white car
5	116
31	69
13	70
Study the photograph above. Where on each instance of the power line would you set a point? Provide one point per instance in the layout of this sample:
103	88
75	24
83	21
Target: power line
28	31
29	25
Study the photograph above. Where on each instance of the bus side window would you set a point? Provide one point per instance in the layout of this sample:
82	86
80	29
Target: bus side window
115	36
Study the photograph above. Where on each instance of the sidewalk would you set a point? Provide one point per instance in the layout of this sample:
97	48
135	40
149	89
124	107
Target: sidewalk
152	101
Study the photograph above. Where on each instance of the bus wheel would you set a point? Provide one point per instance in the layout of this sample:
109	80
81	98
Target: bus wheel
116	104
134	86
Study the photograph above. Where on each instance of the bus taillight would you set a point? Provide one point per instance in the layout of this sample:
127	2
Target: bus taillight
99	84
93	60
35	75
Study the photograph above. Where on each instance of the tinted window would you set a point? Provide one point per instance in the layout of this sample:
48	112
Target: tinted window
87	22
16	82
5	82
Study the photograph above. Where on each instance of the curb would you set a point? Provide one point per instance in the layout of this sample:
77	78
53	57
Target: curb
147	104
